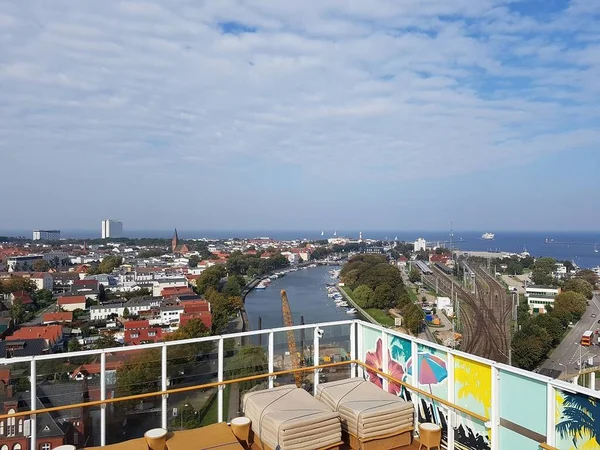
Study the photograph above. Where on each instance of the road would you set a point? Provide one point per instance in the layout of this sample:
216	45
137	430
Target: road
37	320
566	355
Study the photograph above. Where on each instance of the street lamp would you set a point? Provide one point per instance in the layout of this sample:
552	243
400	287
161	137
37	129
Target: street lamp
182	409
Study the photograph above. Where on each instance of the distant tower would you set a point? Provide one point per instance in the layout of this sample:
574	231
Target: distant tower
175	241
360	239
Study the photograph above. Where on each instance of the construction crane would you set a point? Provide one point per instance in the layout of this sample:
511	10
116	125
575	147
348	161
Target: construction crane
289	322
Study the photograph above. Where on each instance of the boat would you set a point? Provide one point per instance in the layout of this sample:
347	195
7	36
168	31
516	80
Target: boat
351	311
339	304
261	285
488	236
595	248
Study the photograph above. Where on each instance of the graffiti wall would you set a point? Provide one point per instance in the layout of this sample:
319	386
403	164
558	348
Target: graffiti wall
522	413
473	391
577	421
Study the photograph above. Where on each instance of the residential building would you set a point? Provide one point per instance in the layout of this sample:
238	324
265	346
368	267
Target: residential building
171	314
420	245
18	263
23	347
52	334
141	332
538	297
46	235
204	316
112	229
135	306
560	271
72	302
62	281
160	284
57	317
41	280
6	326
22	296
172	291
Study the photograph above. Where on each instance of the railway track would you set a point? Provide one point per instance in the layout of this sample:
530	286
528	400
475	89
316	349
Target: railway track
484	313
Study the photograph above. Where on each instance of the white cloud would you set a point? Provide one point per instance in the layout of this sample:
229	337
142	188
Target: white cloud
357	87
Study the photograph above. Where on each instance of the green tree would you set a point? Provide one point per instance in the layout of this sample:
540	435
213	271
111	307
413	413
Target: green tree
414	275
187	418
541	277
210	278
570	302
138	376
514	267
126	313
232	288
413	317
363	295
589	276
17	311
580	286
105	341
109	264
527	350
193	261
74	345
102	296
383	296
15	284
40	266
42	298
552	325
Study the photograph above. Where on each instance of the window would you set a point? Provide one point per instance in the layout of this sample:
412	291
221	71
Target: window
135	335
46	446
2	428
20	426
17	446
4	447
10	424
151	333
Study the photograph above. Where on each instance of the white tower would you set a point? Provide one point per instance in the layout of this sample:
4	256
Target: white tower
360	239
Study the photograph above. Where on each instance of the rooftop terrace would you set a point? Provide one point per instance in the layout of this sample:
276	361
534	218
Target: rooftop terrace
479	404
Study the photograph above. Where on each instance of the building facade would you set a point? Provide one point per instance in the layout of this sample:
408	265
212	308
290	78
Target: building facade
112	229
46	235
538	297
420	245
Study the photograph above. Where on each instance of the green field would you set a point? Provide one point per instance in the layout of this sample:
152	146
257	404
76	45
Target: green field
212	414
381	317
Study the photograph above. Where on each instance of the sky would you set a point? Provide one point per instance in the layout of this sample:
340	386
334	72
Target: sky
324	114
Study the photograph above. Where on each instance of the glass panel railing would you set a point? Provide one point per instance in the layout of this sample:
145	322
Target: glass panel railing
334	347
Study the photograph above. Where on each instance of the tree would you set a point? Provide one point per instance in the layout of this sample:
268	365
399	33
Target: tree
527	350
363	295
14	284
570	302
589	276
514	267
193	261
109	264
232	288
102	297
138	376
17	311
74	345
250	360
383	296
552	325
187	418
210	278
42	298
580	286
126	313
414	275
40	266
105	341
541	277
413	317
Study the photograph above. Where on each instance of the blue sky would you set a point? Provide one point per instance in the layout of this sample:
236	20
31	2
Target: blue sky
368	114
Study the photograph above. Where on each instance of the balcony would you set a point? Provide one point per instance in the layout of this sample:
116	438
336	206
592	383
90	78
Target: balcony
102	397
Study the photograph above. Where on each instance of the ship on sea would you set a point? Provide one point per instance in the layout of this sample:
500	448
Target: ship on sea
488	236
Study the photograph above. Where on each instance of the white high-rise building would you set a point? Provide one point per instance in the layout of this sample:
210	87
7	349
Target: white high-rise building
420	245
46	235
112	229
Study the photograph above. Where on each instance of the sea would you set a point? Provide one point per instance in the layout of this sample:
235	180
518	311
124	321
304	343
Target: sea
576	246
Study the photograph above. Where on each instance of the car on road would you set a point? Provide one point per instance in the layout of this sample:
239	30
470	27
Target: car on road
593	315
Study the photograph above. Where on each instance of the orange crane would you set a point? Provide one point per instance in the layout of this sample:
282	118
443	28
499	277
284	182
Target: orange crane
289	322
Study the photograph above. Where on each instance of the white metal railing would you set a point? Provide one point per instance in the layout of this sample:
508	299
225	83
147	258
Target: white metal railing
358	340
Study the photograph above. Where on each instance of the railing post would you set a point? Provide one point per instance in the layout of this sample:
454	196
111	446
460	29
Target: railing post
451	422
360	351
271	358
353	349
550	414
495	413
33	400
163	387
103	397
220	388
316	359
385	359
414	350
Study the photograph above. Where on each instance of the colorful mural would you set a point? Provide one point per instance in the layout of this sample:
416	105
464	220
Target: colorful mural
577	421
433	377
473	391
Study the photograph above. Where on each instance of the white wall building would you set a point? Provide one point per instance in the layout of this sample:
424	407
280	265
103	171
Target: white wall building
170	314
22	262
159	285
46	235
420	245
112	229
538	297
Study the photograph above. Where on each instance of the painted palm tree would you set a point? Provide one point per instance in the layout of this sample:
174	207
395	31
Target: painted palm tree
580	421
475	380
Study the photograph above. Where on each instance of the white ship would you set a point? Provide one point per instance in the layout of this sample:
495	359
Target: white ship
488	236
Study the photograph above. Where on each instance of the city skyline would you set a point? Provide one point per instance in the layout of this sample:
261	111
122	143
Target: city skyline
373	115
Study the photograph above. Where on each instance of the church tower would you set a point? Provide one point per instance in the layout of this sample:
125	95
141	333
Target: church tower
175	241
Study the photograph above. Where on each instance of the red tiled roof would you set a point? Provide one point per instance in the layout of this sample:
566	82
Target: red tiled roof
23	296
196	306
205	317
50	332
136	324
176	290
71	300
66	316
